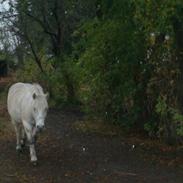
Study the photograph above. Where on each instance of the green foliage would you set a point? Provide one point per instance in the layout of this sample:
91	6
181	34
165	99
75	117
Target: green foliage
109	64
54	81
161	107
170	114
127	61
32	74
121	59
178	120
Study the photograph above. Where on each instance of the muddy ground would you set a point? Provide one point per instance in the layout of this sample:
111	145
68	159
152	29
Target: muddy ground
69	155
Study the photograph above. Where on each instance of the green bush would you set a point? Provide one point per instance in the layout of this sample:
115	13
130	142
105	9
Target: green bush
128	72
110	68
125	66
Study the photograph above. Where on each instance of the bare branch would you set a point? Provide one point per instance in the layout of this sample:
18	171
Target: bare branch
41	24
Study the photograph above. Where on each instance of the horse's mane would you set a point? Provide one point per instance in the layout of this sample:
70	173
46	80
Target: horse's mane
38	89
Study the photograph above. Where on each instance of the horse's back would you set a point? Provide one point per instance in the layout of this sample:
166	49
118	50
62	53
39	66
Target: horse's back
14	93
17	93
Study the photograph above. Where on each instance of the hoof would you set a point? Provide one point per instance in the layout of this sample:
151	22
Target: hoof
34	163
18	149
23	143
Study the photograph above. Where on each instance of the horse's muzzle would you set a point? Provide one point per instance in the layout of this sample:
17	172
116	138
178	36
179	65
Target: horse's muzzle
40	128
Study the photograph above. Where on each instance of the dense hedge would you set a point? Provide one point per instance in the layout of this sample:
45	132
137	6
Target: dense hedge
126	66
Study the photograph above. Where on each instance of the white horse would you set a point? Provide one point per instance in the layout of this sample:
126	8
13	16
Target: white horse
27	106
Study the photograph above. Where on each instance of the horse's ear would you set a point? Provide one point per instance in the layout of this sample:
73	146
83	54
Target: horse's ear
47	95
34	96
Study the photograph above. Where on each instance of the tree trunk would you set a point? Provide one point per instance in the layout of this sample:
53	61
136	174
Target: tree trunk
70	88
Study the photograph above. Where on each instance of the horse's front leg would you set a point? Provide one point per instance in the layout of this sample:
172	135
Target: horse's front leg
23	137
34	134
31	139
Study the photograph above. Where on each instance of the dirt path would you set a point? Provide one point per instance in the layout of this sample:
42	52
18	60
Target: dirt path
70	156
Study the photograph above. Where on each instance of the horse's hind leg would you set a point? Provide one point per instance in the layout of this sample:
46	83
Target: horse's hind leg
17	127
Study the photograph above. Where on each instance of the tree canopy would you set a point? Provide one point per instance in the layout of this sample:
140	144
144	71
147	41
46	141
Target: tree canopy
120	60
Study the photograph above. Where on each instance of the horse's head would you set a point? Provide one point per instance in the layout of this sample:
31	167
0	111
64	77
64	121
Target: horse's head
40	108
